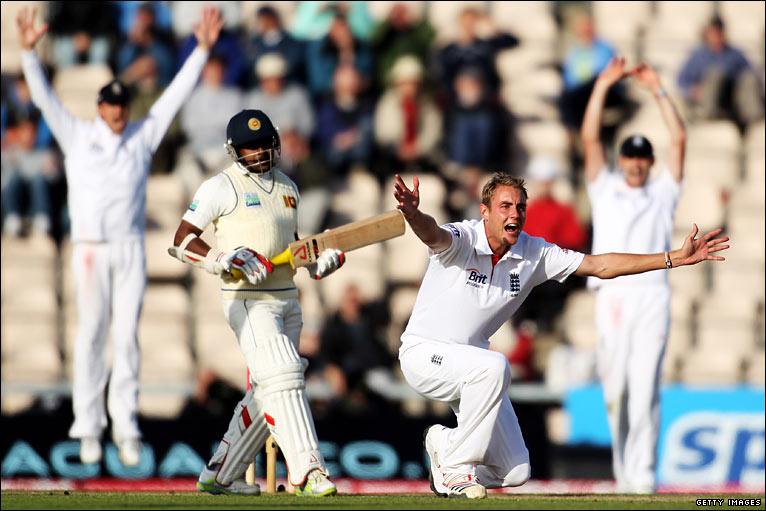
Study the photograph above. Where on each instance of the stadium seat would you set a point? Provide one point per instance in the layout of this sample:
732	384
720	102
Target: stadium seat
689	282
712	136
166	200
548	138
723	307
720	167
400	303
744	26
531	22
363	268
407	258
504	339
187	14
579	320
10	49
711	366
668	14
217	350
360	198
679	345
746	279
159	264
620	24
700	203
754	140
78	86
532	94
738	337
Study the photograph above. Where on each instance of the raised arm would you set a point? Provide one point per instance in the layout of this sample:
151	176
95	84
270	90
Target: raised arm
60	120
693	251
424	226
648	78
590	132
166	107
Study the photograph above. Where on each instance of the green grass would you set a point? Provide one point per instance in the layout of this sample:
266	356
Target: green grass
151	500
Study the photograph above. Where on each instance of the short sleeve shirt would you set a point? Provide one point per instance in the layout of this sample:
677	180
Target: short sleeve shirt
464	299
632	220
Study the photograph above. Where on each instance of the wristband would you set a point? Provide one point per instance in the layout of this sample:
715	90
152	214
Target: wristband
668	262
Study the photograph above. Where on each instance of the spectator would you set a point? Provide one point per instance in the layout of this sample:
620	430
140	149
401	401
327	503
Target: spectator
146	82
203	118
408	123
585	59
132	59
313	20
83	32
271	37
403	32
27	174
288	106
474	50
718	81
338	47
128	10
475	133
345	138
17	103
351	344
236	70
557	223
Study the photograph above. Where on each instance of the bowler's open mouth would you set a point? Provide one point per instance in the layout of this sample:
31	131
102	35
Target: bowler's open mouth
512	227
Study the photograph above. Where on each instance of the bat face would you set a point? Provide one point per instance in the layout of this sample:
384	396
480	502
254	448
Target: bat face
346	237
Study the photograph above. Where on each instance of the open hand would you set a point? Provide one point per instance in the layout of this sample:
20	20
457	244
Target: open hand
409	200
613	72
696	250
209	27
28	34
646	76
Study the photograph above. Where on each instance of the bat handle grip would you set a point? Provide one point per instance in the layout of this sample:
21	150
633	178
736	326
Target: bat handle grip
284	257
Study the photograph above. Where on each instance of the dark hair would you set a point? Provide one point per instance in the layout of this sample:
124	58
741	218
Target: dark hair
501	179
268	11
716	22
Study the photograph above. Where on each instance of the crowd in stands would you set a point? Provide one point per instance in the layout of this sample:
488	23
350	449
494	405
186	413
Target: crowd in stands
349	92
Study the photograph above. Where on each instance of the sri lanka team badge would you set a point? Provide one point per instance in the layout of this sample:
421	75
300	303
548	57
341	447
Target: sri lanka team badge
254	124
252	199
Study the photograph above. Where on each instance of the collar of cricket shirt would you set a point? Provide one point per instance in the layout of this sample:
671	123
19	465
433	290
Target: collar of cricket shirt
482	243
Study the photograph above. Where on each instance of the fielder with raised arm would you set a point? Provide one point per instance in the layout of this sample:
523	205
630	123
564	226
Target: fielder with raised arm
632	212
254	206
107	164
480	271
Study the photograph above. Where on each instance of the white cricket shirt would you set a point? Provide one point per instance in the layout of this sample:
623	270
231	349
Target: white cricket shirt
632	220
464	299
106	173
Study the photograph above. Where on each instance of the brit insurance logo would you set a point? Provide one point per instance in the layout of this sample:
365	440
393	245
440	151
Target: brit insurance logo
476	278
252	200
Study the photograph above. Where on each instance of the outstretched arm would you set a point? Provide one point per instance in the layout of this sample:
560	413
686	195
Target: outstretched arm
693	251
648	78
424	226
591	125
60	120
166	107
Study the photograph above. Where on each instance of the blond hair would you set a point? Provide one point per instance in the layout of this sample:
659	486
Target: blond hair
501	179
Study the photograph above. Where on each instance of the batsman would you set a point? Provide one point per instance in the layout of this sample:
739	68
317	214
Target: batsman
253	206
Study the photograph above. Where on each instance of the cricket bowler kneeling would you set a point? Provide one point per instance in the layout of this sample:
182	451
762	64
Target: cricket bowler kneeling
479	273
253	206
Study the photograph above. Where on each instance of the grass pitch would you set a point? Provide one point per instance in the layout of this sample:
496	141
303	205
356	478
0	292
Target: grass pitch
154	500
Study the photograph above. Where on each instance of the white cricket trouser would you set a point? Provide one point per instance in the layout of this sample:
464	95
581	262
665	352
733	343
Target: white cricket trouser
268	332
110	279
633	327
487	441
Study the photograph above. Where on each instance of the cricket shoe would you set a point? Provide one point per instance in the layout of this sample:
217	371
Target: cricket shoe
317	485
207	484
464	486
90	450
435	476
130	452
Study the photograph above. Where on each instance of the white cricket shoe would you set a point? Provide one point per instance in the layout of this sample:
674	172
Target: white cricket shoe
130	452
207	483
450	484
90	450
465	486
317	485
435	476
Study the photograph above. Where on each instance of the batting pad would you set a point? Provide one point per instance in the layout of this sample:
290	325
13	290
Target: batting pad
246	435
279	374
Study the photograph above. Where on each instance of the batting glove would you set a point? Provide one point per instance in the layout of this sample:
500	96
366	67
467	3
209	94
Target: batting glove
253	265
328	261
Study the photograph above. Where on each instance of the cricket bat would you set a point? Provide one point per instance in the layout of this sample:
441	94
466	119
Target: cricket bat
346	238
